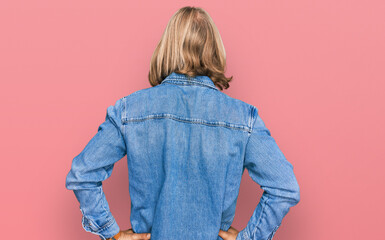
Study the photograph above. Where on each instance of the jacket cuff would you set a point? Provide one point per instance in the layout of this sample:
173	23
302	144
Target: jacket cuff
107	231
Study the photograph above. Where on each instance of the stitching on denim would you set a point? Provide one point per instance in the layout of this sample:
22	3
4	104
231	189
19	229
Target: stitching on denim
122	116
260	216
272	233
191	83
188	120
113	121
91	225
182	81
250	118
253	117
89	229
107	225
223	202
101	196
250	126
185	78
95	229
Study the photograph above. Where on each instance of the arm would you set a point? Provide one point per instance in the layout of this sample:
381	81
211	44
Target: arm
269	168
94	165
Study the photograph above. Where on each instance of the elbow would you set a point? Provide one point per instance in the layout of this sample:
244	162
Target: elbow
288	193
72	181
68	181
296	193
294	189
75	180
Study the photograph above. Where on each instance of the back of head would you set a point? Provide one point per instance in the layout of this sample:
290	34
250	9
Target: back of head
191	45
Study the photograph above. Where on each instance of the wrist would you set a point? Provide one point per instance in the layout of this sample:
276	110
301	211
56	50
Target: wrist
116	237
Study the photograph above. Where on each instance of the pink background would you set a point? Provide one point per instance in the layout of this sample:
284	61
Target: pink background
315	70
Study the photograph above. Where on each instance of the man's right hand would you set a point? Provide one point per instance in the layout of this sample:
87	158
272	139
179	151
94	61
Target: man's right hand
131	235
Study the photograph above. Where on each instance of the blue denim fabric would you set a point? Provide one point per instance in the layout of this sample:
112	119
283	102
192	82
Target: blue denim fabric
187	146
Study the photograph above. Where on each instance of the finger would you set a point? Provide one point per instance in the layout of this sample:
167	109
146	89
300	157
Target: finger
141	236
223	234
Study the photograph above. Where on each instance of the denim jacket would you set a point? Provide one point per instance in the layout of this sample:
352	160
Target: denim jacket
187	146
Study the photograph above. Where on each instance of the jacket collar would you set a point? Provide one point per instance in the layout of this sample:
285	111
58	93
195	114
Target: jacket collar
177	78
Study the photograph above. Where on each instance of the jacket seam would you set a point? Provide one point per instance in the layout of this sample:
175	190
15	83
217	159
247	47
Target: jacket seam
188	82
273	233
188	120
224	198
98	228
122	116
101	195
260	217
251	125
120	113
107	225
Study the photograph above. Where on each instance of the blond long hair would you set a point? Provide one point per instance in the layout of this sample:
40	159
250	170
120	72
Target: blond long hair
191	45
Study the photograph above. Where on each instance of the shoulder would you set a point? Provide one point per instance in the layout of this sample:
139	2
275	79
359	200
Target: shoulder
240	104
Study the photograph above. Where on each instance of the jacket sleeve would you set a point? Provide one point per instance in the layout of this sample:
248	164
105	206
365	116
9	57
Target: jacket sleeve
93	165
268	167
